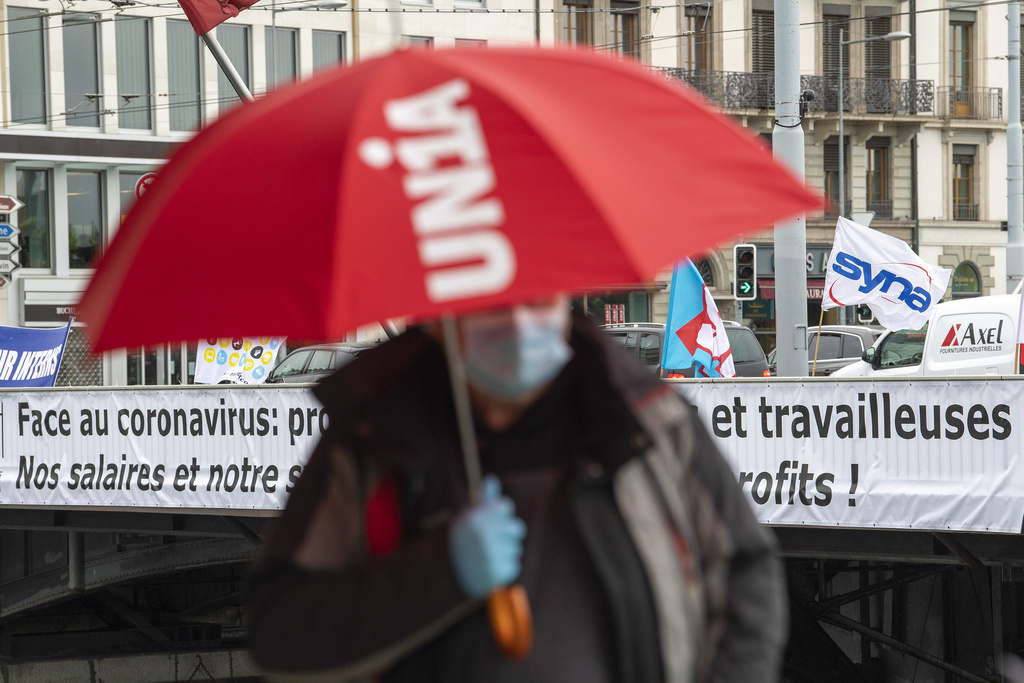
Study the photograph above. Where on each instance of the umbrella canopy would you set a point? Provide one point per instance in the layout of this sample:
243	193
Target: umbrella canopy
429	182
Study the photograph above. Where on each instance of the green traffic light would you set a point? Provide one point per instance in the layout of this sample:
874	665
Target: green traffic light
745	287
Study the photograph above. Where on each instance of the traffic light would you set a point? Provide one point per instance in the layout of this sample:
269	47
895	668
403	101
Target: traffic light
864	314
745	261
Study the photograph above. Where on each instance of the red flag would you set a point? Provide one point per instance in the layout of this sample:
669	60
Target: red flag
206	15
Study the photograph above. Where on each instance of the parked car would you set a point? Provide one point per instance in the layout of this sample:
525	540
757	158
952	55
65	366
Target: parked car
964	337
315	362
646	340
839	346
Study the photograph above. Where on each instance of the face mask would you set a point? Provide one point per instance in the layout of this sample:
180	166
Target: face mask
512	352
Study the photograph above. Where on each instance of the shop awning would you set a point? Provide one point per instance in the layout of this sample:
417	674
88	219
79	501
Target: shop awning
766	289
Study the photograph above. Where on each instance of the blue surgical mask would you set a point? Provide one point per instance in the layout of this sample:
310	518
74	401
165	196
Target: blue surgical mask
512	352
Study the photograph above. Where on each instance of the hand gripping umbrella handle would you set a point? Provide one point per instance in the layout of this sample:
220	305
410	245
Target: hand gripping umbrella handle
508	609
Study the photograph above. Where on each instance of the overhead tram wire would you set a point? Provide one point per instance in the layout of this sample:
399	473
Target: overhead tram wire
301	4
118	10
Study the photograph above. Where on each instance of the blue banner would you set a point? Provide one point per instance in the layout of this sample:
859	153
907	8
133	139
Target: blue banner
31	358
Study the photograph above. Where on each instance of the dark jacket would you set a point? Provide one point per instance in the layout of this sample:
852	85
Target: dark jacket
692	584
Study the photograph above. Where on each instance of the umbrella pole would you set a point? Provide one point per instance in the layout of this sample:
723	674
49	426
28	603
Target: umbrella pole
508	608
463	410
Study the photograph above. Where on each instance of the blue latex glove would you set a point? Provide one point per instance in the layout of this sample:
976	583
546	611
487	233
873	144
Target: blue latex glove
486	542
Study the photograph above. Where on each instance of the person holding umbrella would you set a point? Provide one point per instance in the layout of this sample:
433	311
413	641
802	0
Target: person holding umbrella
455	186
641	558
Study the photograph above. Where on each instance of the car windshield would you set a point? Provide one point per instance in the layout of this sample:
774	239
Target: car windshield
905	347
825	346
744	346
292	365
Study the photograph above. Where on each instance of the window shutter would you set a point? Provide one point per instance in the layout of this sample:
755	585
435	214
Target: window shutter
830	26
763	47
878	55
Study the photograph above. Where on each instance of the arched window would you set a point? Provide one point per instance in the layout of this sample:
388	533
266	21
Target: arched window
966	281
704	268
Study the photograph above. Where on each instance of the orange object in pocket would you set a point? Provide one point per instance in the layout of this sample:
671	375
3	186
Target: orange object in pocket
508	610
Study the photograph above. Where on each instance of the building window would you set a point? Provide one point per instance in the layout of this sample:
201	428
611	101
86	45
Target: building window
964	208
282	50
878	54
576	24
762	48
470	42
34	219
81	69
142	366
960	67
328	49
126	190
234	38
707	273
831	25
622	31
695	40
25	40
184	76
966	281
85	217
135	95
877	178
421	42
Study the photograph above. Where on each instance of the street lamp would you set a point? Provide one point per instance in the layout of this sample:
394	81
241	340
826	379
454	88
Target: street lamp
888	37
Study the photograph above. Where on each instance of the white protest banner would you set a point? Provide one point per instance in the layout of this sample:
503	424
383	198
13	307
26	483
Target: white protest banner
927	454
223	448
238	360
870	267
939	455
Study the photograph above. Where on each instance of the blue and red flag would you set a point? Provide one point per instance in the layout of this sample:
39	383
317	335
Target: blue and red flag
694	331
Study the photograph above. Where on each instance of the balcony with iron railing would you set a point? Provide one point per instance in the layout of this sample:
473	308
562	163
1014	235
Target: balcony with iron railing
977	104
962	211
870	95
881	207
742	90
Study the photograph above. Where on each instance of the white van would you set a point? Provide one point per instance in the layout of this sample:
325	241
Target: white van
966	337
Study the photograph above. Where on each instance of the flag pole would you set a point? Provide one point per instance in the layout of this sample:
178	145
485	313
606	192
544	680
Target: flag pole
226	66
817	340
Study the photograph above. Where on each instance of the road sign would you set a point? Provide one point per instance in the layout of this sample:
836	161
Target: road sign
8	249
4	281
9	204
7	266
143	184
7	231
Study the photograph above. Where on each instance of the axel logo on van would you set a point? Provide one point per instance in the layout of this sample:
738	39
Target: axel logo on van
849	266
973	336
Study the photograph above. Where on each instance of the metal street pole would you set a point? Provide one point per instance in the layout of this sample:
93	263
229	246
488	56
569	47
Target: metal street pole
1014	158
842	140
226	66
790	236
273	43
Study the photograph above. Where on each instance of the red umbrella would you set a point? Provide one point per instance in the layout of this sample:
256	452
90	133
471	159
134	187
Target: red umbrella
429	182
